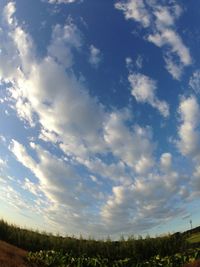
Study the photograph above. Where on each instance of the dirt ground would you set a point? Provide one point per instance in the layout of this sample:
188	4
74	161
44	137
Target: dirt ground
194	264
11	256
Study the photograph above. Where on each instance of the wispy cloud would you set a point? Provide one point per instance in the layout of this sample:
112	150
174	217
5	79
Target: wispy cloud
159	20
143	89
95	56
194	81
62	1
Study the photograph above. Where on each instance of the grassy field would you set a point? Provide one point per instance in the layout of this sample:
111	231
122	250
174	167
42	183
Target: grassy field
194	238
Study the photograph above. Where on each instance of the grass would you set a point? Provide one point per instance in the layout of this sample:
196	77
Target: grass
194	238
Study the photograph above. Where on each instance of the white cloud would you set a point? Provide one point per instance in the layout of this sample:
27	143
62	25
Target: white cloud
166	161
95	56
163	16
64	39
58	179
115	171
106	146
9	10
173	68
62	1
48	136
170	38
3	164
66	192
129	63
135	9
139	62
21	154
31	187
132	146
14	198
160	20
194	81
189	141
128	206
143	89
43	91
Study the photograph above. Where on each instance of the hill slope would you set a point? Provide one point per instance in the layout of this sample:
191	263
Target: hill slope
11	256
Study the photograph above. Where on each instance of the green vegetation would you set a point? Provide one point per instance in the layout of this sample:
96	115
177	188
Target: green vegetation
58	259
57	251
140	249
194	238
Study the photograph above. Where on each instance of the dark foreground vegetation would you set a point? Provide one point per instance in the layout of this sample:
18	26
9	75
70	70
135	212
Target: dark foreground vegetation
56	251
59	259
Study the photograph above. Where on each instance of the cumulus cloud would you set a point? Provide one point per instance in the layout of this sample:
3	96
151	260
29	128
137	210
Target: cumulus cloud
160	21
189	141
114	171
57	179
97	147
143	89
136	10
64	39
133	146
63	197
43	91
128	206
54	175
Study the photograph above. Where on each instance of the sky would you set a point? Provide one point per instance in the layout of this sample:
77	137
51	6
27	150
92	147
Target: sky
100	116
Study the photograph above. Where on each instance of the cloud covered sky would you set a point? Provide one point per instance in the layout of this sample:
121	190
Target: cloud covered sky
99	111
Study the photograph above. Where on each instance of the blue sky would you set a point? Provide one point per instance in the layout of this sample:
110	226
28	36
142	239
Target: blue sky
100	131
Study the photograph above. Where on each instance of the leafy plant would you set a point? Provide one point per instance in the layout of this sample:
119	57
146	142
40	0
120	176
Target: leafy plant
58	259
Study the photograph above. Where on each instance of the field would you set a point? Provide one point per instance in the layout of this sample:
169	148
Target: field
194	238
34	249
58	259
11	256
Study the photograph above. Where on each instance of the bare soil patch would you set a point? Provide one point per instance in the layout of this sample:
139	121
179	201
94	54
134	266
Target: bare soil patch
11	256
194	264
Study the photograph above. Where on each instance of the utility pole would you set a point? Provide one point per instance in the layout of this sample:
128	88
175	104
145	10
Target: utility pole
191	224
